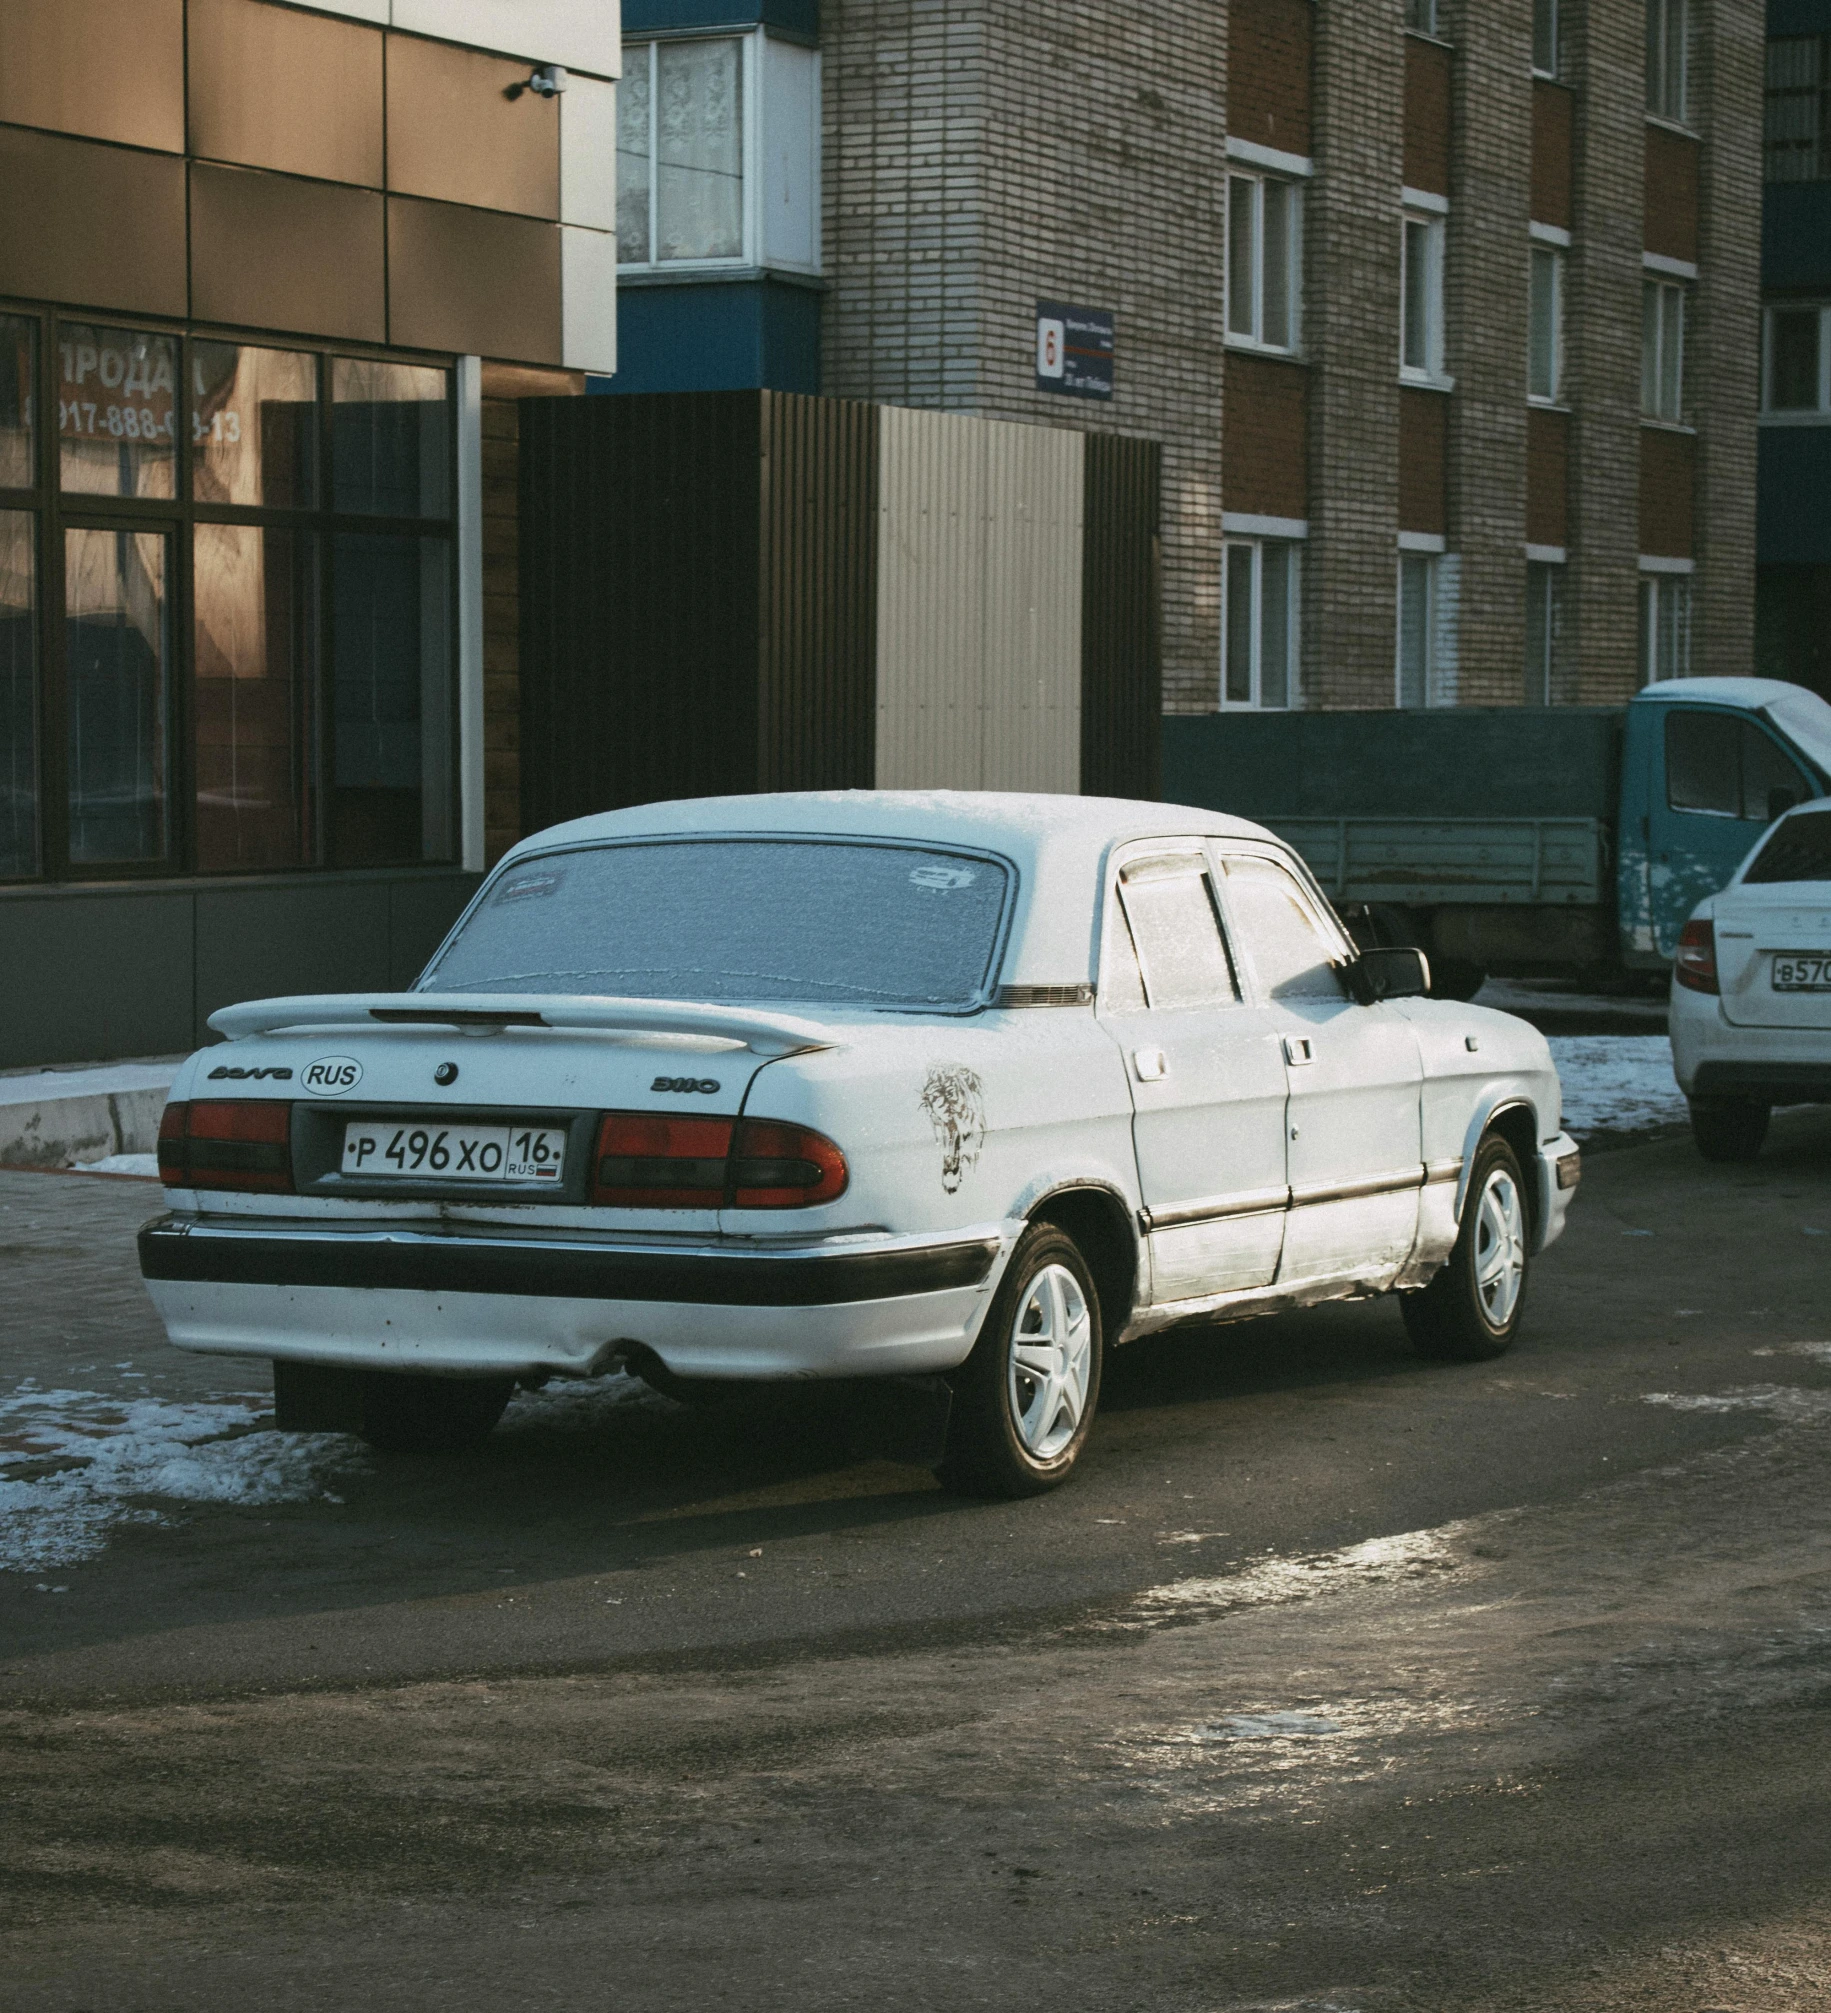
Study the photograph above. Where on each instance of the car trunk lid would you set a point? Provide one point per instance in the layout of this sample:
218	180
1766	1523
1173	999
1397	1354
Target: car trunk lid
1773	946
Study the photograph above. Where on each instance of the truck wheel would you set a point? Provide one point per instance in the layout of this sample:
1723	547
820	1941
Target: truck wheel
1024	1400
1727	1128
1455	978
404	1414
1471	1310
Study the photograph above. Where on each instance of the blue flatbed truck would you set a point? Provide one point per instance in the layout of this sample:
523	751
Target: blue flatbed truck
1523	842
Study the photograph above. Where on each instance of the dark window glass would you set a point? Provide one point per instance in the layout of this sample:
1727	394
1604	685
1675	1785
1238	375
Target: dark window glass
254	603
254	426
18	698
391	769
18	345
730	920
1704	763
1170	907
1798	849
1793	384
117	654
1771	783
391	438
117	406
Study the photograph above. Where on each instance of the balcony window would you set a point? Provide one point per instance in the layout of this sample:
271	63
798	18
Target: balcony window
1668	58
1545	326
1264	260
1421	338
1662	350
1261	623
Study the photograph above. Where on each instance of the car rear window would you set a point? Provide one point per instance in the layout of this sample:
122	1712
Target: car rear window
738	921
1797	849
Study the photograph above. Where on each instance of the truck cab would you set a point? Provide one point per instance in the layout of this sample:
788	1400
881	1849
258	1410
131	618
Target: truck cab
1707	765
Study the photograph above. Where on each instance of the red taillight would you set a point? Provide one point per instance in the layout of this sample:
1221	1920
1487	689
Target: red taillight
245	1145
1695	965
651	1160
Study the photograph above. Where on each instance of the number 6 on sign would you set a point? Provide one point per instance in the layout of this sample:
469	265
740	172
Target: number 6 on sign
1051	347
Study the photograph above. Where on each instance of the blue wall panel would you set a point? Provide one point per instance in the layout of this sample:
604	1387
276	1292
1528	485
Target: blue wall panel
1793	496
644	17
1799	17
752	335
1796	235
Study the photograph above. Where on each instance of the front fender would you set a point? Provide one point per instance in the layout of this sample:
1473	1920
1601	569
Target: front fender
1497	1096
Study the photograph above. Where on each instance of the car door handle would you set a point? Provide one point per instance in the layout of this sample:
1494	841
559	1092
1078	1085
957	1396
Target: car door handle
1298	1049
1151	1064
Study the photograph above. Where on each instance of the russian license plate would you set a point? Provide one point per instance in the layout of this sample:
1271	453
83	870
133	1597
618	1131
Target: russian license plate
1802	971
387	1152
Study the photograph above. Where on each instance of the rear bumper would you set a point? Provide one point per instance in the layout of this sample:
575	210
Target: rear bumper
1770	1065
1764	1082
482	1303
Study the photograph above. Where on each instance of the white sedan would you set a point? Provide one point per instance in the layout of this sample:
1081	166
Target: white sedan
1751	989
945	1087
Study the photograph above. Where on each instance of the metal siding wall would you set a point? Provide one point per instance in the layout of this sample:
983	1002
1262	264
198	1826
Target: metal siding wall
1121	620
979	604
818	493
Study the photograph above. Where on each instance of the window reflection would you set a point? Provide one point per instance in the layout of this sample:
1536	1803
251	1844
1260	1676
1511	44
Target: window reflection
391	781
390	438
254	425
18	699
117	404
254	608
18	469
117	651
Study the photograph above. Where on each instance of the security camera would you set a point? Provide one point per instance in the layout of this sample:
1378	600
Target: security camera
548	80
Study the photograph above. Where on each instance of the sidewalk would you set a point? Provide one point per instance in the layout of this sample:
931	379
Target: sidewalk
76	1117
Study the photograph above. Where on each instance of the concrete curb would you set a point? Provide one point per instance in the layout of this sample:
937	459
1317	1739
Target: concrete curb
67	1117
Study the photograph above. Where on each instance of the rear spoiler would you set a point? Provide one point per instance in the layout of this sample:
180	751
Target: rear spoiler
765	1034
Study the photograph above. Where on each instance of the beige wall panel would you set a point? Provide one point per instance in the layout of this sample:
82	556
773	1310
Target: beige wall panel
473	281
273	88
454	136
99	227
931	590
107	69
1032	622
582	34
271	252
979	604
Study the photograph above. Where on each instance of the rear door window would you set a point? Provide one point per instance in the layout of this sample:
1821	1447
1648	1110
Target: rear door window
1177	930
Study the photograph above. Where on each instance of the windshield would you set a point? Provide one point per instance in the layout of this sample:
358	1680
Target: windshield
1797	849
737	921
1805	719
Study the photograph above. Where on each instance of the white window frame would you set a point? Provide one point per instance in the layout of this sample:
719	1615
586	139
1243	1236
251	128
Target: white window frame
1433	223
1548	573
1546	257
1254	337
1654	347
1547	33
1256	546
1419	559
1665	606
1669	41
1421	17
1796	415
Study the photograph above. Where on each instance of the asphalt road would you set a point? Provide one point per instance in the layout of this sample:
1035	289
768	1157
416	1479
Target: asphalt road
1334	1680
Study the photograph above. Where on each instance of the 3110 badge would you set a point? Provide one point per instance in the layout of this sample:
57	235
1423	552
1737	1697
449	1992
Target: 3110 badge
704	1086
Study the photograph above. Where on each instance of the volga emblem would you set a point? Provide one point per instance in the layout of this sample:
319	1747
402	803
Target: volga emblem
222	1072
954	1100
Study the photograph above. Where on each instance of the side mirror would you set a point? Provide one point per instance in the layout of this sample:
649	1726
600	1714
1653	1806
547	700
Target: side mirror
1394	972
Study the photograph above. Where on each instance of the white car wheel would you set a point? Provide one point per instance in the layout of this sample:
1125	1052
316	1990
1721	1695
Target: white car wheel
1051	1361
1472	1309
1500	1246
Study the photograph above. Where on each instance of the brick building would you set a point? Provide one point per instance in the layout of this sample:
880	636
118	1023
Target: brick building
1444	310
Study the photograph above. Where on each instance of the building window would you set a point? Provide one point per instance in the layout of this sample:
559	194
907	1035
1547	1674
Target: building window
1796	360
1260	623
1544	632
1545	326
227	605
1264	260
1798	113
1668	54
1665	626
1662	350
1545	37
1426	630
1421	16
1421	345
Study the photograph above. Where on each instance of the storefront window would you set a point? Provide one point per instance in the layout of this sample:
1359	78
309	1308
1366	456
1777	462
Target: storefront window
254	426
117	675
117	406
227	606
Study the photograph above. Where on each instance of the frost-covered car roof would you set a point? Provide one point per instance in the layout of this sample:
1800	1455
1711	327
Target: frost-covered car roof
1057	843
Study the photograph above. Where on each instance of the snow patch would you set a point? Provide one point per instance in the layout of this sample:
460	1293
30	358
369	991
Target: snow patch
75	1464
1818	1352
579	1404
143	1165
1267	1726
1617	1083
1778	1401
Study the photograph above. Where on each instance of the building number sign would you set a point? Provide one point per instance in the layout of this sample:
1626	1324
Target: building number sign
1074	350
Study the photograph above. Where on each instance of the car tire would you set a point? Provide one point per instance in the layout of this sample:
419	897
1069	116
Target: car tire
1024	1400
404	1414
1471	1311
1728	1128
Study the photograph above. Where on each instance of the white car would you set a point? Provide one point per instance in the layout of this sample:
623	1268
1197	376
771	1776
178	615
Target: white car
965	1088
1751	989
